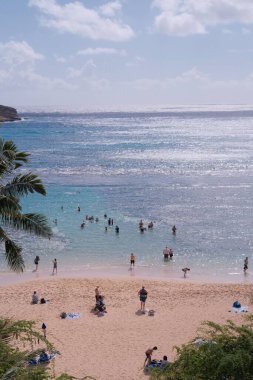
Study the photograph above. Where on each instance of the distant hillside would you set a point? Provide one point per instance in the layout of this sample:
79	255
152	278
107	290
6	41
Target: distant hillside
8	114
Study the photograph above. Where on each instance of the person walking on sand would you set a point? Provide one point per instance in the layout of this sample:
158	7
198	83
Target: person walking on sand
44	329
143	297
246	264
148	354
132	260
54	266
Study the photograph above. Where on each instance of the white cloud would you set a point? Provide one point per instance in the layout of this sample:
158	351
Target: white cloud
135	62
75	18
186	17
227	31
18	68
246	31
59	59
86	71
16	53
98	50
110	9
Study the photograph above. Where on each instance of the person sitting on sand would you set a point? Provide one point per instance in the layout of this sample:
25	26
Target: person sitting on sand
185	270
97	293
35	298
164	362
143	297
149	353
100	306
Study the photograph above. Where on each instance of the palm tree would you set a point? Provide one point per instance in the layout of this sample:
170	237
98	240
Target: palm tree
13	186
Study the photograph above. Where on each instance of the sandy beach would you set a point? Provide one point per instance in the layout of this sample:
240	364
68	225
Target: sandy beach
113	346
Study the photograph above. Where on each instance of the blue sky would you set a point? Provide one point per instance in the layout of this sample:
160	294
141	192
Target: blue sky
93	53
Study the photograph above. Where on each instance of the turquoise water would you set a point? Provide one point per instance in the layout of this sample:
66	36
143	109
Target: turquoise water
191	169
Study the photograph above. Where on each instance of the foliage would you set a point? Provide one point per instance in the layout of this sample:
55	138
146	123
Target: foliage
13	186
65	376
13	361
226	354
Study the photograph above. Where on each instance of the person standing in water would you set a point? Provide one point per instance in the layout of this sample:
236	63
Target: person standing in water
54	266
174	230
132	260
36	262
246	264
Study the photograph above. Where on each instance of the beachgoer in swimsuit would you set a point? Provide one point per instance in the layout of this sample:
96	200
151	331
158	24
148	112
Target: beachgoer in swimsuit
149	353
143	297
97	293
54	266
185	270
166	252
44	329
35	298
246	264
174	230
36	262
132	260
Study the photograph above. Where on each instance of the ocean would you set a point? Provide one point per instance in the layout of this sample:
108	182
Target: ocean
183	166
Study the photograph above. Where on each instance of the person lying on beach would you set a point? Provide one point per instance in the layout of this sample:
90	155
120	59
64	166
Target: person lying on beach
35	298
149	353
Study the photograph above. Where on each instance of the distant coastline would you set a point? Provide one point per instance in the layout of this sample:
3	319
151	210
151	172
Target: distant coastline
8	114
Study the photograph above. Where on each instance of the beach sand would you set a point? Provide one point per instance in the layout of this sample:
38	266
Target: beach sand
112	347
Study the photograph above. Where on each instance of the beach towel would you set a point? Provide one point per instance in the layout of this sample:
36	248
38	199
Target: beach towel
72	315
42	358
242	309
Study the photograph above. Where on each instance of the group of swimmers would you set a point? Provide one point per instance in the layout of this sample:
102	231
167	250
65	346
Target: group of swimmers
142	228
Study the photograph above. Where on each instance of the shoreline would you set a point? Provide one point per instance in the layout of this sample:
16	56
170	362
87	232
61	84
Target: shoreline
124	272
114	345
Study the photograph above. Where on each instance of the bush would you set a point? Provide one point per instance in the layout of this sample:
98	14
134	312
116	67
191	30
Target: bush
226	354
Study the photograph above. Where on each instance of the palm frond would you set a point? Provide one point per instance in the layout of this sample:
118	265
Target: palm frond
12	253
22	185
9	205
33	223
10	157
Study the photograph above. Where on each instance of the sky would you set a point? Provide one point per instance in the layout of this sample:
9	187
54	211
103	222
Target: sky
123	53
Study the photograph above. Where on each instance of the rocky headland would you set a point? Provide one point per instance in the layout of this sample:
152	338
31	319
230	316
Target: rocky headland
8	114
